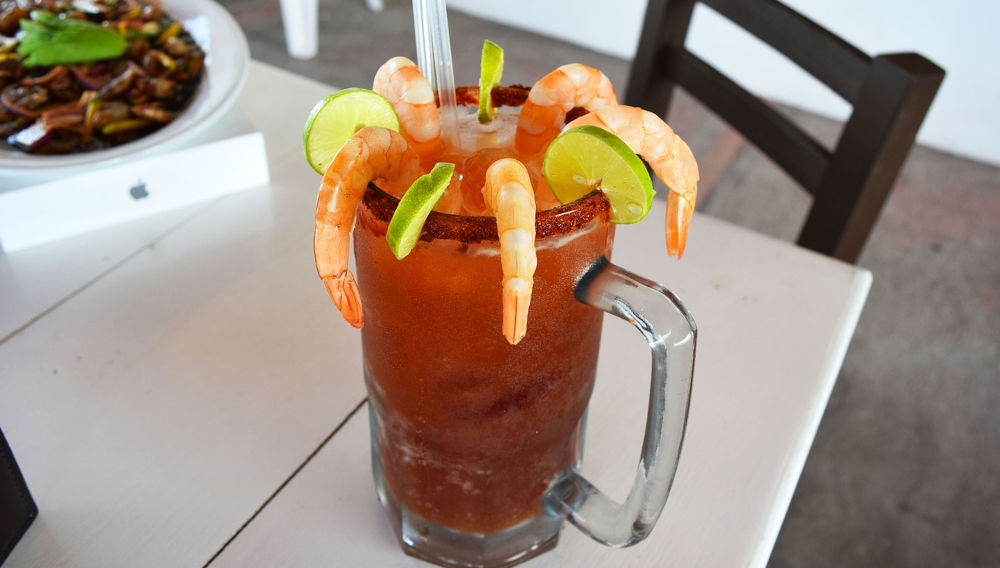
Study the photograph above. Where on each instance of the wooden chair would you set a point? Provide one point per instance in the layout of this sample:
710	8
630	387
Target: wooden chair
890	95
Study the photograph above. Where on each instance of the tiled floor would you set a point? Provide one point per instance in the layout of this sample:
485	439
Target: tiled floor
905	470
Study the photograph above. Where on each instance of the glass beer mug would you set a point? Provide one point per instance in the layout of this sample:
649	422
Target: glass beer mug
476	442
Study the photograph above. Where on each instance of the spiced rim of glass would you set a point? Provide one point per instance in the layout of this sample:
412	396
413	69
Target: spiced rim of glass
553	222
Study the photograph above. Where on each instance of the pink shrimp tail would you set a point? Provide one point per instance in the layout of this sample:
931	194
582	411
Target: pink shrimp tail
344	292
679	211
517	293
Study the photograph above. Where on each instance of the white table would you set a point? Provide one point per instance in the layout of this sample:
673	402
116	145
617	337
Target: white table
169	386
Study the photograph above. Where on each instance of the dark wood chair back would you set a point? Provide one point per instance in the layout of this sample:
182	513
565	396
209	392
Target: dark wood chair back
890	95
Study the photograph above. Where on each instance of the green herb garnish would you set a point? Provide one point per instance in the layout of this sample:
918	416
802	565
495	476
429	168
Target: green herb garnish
51	40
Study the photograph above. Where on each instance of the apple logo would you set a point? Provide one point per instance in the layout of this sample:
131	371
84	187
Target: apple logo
138	191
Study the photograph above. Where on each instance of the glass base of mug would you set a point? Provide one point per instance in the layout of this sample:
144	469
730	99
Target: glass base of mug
448	547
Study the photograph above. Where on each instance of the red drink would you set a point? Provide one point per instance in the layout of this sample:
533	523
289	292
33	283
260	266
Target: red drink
471	430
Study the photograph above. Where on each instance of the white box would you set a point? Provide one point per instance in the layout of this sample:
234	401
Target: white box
226	157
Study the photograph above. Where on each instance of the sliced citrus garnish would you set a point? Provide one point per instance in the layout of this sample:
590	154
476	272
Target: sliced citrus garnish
337	117
588	158
490	73
414	207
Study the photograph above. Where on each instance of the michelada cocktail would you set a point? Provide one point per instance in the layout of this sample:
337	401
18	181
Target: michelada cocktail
480	259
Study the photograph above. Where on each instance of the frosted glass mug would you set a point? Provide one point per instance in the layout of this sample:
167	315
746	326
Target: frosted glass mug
476	444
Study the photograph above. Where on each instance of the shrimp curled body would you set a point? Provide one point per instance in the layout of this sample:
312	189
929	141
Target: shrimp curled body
399	81
509	196
552	97
671	159
373	153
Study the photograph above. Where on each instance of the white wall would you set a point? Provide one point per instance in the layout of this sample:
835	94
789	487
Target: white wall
965	117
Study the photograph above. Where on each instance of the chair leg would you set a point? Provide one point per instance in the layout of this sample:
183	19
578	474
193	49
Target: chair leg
300	19
375	5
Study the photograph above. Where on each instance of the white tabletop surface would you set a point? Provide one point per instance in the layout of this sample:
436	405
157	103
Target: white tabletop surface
179	390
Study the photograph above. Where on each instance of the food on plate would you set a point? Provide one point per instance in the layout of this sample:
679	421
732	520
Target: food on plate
84	75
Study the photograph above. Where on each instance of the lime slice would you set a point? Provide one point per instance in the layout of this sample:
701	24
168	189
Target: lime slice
586	158
337	117
490	72
415	206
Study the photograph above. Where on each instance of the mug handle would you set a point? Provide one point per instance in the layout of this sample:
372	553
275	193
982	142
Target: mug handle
671	332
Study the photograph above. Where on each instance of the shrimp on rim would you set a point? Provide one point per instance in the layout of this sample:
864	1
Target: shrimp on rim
509	196
373	153
671	159
552	97
402	84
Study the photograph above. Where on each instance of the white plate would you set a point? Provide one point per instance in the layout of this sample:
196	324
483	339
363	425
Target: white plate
227	63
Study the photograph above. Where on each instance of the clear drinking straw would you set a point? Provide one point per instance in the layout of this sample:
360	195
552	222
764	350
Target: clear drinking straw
430	22
424	47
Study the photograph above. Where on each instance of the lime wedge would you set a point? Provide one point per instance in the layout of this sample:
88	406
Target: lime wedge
337	117
490	72
415	206
586	158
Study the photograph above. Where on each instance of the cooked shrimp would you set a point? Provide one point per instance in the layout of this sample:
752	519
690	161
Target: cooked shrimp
554	95
668	155
509	196
399	81
373	153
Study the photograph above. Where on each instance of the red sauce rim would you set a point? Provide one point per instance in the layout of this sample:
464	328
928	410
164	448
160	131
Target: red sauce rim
556	221
509	96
